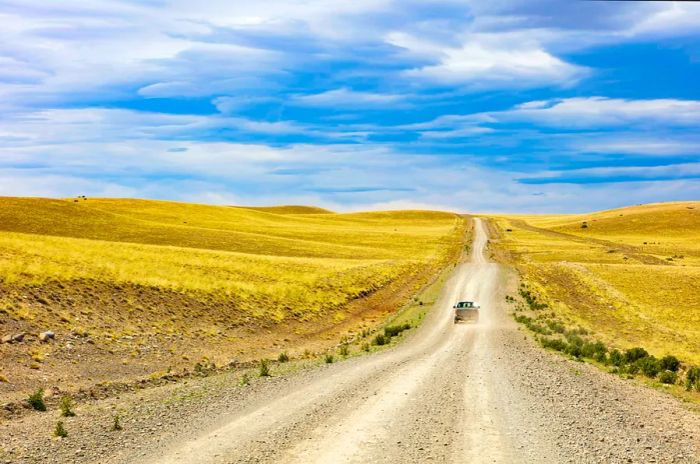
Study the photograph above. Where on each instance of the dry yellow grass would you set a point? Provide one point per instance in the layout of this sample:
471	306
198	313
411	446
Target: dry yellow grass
272	265
132	286
632	275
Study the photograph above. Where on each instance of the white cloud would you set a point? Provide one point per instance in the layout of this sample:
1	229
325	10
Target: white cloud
602	111
347	98
484	61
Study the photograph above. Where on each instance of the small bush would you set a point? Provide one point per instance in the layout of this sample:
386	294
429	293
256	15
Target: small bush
692	378
380	339
283	357
592	350
116	423
36	400
329	358
631	369
344	350
617	358
670	363
394	330
66	406
264	368
668	377
553	343
635	354
601	357
245	380
649	366
60	430
574	350
365	347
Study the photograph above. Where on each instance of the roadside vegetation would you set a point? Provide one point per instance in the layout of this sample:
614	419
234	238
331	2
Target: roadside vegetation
622	292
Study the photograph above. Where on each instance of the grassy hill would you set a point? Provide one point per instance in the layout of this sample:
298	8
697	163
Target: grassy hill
135	285
629	275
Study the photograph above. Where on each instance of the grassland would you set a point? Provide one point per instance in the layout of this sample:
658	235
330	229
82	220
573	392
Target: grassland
630	276
135	285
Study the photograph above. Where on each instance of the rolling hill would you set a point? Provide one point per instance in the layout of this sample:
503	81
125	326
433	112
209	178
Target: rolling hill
131	287
631	276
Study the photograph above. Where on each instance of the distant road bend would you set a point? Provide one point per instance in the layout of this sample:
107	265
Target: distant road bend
450	393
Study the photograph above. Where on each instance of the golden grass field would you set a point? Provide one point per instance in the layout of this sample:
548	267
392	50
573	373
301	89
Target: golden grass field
153	283
631	275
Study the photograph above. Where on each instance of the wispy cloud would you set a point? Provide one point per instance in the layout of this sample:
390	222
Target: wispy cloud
370	103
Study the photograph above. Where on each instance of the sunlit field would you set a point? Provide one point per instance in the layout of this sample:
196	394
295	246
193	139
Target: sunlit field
631	275
134	286
272	265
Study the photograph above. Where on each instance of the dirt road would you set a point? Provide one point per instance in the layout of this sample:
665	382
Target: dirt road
451	393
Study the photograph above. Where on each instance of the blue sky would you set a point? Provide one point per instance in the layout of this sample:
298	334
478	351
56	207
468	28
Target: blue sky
533	106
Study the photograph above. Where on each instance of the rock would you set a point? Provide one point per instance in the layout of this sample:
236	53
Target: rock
46	336
6	339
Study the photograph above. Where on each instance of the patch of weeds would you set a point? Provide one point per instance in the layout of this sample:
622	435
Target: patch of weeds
66	406
36	400
264	368
380	339
60	430
283	357
245	380
344	350
365	347
116	423
329	358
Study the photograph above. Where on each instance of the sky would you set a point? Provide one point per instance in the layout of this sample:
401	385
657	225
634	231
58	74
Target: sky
501	106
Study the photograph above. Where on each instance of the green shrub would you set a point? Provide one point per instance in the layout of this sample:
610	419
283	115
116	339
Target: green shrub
344	350
631	369
692	378
574	350
365	347
283	357
245	380
670	363
616	358
601	357
264	368
66	406
635	354
329	358
380	339
394	330
60	431
649	366
553	343
36	400
668	377
555	326
592	350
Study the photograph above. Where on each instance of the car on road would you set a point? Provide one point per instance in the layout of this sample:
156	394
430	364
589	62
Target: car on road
467	311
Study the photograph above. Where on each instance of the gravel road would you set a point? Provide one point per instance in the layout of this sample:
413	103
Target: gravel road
453	393
450	392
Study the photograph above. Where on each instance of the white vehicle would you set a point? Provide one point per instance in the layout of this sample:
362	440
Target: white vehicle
467	311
